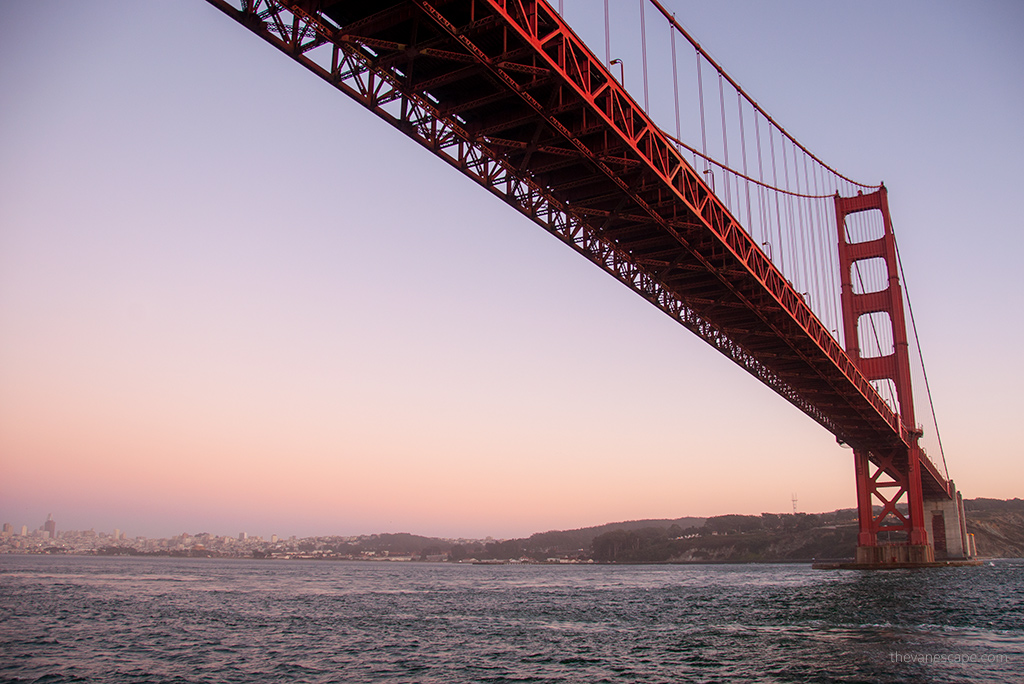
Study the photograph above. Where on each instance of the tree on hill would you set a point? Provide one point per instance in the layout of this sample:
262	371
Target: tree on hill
993	505
734	524
630	545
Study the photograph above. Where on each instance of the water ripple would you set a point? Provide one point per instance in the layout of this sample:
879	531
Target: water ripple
66	619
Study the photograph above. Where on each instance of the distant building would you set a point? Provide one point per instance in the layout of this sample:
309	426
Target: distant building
50	526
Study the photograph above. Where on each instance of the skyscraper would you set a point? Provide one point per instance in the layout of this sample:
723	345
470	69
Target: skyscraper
50	526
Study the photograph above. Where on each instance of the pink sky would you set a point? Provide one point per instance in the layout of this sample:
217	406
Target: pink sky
214	322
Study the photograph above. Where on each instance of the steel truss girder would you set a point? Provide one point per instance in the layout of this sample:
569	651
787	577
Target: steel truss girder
351	69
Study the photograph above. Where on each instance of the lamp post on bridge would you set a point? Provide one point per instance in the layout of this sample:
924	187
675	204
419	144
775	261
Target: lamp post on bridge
622	73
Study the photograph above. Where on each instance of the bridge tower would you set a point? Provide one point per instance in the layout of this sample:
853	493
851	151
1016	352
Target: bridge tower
888	477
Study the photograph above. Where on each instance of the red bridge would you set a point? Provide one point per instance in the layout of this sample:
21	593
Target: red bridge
737	252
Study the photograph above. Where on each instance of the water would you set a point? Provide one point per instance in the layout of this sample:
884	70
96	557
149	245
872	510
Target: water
77	619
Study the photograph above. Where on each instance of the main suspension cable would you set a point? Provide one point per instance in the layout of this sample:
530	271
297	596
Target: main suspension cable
696	46
745	177
920	356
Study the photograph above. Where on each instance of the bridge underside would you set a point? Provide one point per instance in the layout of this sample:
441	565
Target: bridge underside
505	92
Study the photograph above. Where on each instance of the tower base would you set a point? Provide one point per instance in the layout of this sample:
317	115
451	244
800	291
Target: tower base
892	554
895	556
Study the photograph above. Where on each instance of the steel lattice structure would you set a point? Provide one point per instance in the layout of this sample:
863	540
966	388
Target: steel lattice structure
505	92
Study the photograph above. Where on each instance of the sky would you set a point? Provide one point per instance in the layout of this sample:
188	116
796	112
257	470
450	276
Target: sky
233	300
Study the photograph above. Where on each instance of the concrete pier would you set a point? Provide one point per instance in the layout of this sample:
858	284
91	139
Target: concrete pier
948	528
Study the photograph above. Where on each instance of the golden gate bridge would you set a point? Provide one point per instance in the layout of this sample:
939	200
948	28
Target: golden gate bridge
725	222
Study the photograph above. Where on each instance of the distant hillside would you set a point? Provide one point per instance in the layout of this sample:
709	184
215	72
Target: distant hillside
768	537
997	525
567	540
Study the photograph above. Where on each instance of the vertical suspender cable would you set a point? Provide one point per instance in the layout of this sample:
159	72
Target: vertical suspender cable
834	267
725	140
607	36
703	127
825	232
761	192
789	207
778	210
815	281
675	82
801	241
810	244
643	48
743	153
827	254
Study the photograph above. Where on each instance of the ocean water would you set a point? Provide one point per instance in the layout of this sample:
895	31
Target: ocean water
86	619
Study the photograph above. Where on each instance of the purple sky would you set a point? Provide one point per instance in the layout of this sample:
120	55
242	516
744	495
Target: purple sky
231	299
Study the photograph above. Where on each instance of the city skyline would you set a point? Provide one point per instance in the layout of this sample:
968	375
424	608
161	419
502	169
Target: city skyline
212	320
49	530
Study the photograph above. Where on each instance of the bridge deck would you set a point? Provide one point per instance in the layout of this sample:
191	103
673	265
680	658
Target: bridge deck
507	93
